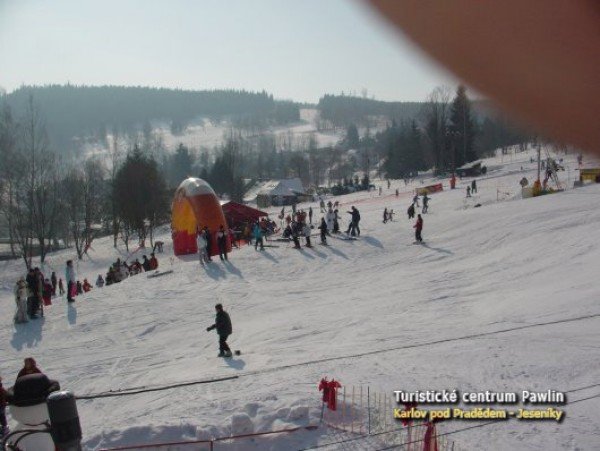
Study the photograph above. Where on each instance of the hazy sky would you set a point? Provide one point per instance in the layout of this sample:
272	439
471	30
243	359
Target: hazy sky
295	49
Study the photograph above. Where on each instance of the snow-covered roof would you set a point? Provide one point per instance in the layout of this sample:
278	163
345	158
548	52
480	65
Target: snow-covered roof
286	187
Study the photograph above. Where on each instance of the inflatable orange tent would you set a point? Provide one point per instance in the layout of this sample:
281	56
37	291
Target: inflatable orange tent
195	205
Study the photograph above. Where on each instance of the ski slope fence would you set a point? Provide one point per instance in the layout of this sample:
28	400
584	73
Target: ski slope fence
369	415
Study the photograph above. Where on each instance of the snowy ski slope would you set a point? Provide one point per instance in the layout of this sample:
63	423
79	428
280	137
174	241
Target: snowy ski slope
509	264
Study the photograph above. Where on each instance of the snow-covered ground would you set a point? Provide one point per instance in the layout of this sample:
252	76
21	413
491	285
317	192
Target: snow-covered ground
510	263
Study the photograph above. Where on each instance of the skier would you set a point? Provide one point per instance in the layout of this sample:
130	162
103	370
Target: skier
201	243
468	191
416	200
224	329
310	214
53	280
323	229
21	301
385	215
257	232
70	278
99	281
425	203
474	186
418	228
353	228
222	242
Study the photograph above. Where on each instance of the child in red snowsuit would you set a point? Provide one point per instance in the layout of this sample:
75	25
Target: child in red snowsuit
47	292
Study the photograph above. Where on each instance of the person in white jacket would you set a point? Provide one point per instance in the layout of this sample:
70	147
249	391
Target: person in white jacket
330	218
21	301
201	243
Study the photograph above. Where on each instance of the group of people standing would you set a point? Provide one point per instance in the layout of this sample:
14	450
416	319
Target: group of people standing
33	292
204	241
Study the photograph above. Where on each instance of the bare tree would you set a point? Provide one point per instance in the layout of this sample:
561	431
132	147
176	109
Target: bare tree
436	113
43	183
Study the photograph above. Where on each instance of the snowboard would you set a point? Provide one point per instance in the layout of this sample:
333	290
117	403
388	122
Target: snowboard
417	242
237	352
158	273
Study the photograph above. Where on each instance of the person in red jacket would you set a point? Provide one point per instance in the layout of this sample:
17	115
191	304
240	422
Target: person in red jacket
47	292
29	367
153	261
86	286
418	228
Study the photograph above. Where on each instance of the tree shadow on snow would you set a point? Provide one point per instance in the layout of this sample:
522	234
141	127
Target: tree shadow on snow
72	314
437	249
373	241
27	334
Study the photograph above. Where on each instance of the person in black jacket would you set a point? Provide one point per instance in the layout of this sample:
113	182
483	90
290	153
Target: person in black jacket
146	264
353	228
224	329
222	242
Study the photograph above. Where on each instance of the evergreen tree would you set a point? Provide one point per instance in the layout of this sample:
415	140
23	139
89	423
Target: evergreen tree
462	129
352	139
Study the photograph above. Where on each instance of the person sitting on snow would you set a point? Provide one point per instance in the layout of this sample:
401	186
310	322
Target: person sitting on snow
146	263
86	286
99	281
29	367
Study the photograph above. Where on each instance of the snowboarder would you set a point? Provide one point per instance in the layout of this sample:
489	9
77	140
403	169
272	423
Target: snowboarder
99	281
70	278
385	215
222	243
418	228
257	232
474	186
21	301
224	329
323	229
425	203
310	214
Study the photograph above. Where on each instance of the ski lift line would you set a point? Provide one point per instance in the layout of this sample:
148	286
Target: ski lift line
487	423
420	345
129	391
126	392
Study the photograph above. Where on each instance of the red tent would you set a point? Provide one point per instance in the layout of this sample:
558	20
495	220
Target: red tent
238	214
